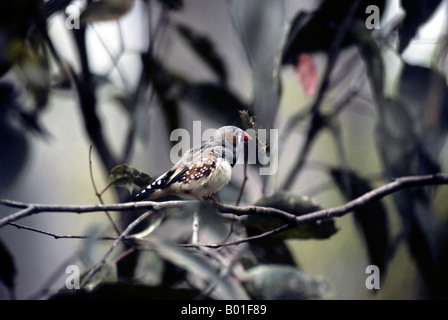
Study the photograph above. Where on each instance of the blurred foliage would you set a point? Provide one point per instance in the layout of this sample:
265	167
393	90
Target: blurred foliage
7	269
372	219
410	138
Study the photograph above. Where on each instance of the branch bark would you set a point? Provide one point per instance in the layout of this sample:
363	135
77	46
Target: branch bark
374	195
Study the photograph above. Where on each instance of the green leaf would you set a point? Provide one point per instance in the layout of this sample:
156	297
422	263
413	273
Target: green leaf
35	69
297	205
106	274
205	50
371	219
7	267
126	176
279	282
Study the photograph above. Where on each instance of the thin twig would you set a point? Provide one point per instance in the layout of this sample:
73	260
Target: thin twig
115	60
99	194
240	241
195	228
245	174
55	235
31	209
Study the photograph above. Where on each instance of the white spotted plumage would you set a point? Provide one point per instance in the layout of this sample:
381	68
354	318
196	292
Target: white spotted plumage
203	170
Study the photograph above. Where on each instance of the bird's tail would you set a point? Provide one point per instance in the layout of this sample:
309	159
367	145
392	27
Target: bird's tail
157	184
144	193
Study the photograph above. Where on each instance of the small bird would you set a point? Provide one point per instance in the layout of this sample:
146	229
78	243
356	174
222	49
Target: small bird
203	170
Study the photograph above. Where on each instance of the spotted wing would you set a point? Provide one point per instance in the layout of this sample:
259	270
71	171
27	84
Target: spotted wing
160	183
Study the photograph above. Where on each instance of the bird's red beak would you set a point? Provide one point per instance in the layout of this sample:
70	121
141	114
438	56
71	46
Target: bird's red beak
246	137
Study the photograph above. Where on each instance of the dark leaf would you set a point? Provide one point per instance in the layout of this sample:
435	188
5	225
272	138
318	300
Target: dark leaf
52	6
315	31
425	93
441	291
371	218
7	267
172	4
417	13
398	146
199	268
215	101
32	123
126	176
271	251
396	138
149	268
422	251
372	56
13	141
165	85
126	266
295	204
105	10
205	50
127	291
402	156
279	282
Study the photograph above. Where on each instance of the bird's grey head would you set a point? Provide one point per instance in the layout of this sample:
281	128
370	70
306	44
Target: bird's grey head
231	139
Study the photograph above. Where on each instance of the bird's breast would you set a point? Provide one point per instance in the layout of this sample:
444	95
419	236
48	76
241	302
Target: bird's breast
218	179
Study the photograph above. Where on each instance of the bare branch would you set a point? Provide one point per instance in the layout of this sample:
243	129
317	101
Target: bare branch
246	155
55	235
31	209
374	195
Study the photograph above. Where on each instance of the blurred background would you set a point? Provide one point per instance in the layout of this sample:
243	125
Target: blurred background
358	98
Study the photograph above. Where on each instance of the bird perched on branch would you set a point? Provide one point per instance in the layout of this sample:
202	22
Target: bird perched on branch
203	170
